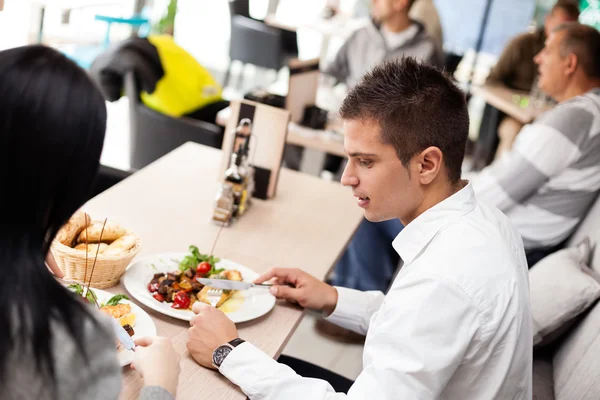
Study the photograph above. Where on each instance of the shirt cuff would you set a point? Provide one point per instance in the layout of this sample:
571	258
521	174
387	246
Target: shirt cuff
354	309
247	364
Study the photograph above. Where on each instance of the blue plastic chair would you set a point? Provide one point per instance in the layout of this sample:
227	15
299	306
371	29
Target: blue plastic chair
135	21
84	56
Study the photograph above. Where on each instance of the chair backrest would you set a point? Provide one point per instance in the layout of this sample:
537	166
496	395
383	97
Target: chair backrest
576	366
107	177
152	134
239	7
255	43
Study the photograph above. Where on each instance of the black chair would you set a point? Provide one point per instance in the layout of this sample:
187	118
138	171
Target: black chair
152	134
253	42
106	178
451	62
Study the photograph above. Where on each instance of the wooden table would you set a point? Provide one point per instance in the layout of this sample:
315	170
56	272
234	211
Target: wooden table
327	141
169	205
504	98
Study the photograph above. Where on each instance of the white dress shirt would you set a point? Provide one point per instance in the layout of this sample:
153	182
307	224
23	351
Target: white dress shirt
455	324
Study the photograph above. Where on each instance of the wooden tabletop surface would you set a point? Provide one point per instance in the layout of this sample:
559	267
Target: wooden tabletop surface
507	100
169	206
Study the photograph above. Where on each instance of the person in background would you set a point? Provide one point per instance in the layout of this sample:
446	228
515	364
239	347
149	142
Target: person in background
545	184
172	81
390	35
53	346
425	12
456	323
517	70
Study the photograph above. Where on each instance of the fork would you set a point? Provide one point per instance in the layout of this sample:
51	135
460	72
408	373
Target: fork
213	296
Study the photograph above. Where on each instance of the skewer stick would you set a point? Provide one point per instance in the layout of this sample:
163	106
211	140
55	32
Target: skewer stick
94	265
216	240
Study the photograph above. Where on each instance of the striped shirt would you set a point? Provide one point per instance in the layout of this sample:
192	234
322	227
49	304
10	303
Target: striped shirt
551	177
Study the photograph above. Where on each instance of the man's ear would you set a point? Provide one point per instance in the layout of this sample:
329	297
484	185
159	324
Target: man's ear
571	64
430	163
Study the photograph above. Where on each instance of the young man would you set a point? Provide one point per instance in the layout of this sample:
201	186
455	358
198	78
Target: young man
545	184
456	323
390	35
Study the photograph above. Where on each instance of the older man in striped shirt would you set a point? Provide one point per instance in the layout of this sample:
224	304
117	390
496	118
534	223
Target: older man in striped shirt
545	184
549	180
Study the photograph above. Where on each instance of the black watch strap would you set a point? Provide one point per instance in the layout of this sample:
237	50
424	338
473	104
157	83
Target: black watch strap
236	342
221	352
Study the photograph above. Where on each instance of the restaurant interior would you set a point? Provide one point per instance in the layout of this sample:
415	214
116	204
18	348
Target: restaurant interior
224	157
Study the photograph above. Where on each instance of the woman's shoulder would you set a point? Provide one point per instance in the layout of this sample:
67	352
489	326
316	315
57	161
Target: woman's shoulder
86	366
82	366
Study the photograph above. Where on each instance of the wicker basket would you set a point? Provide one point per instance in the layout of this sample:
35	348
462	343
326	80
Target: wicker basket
108	269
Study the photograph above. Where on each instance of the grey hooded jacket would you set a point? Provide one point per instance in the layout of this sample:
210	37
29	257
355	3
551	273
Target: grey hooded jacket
366	48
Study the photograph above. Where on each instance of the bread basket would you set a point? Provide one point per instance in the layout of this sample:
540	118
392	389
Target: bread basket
108	268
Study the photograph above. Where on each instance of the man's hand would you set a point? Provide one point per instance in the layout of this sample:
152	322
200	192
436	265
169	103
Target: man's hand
308	291
210	328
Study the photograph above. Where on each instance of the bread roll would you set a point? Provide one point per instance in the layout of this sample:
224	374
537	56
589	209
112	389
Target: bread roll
73	227
112	231
121	245
92	247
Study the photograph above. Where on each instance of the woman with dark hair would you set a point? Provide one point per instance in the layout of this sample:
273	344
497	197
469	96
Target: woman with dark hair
52	345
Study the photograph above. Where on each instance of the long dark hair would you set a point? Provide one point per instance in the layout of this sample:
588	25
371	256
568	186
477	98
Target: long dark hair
52	126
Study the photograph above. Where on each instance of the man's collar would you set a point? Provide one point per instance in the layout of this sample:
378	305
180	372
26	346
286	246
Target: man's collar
416	235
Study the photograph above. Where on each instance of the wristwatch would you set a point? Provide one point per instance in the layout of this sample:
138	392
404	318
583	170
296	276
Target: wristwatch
223	351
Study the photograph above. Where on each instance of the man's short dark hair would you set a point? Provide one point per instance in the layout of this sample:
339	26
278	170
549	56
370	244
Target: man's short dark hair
416	106
569	8
584	42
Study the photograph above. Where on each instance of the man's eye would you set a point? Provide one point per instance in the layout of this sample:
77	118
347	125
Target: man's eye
365	163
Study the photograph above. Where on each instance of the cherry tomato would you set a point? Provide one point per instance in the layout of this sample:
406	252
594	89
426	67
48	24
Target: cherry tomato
159	297
153	287
181	300
203	268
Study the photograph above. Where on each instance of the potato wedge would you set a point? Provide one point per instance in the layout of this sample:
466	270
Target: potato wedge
77	223
203	296
229	274
112	231
121	245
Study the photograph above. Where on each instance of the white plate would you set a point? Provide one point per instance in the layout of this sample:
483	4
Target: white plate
243	306
144	326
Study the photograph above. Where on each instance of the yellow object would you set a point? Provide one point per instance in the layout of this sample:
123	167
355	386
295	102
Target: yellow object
185	87
120	312
128	319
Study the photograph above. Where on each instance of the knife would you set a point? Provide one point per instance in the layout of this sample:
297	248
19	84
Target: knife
233	285
122	335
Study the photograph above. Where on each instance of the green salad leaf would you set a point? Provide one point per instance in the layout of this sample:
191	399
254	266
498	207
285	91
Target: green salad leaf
192	260
78	290
116	299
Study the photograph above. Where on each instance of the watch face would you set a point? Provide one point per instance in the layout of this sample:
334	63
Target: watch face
219	355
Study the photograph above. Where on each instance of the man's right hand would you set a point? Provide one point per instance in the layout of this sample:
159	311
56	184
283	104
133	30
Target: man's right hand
308	291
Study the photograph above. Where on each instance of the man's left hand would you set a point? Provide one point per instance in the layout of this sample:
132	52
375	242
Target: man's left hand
210	328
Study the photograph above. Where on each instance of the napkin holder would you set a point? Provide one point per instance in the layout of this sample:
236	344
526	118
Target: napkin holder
269	135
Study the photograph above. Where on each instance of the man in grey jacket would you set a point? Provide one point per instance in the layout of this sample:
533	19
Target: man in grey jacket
390	35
